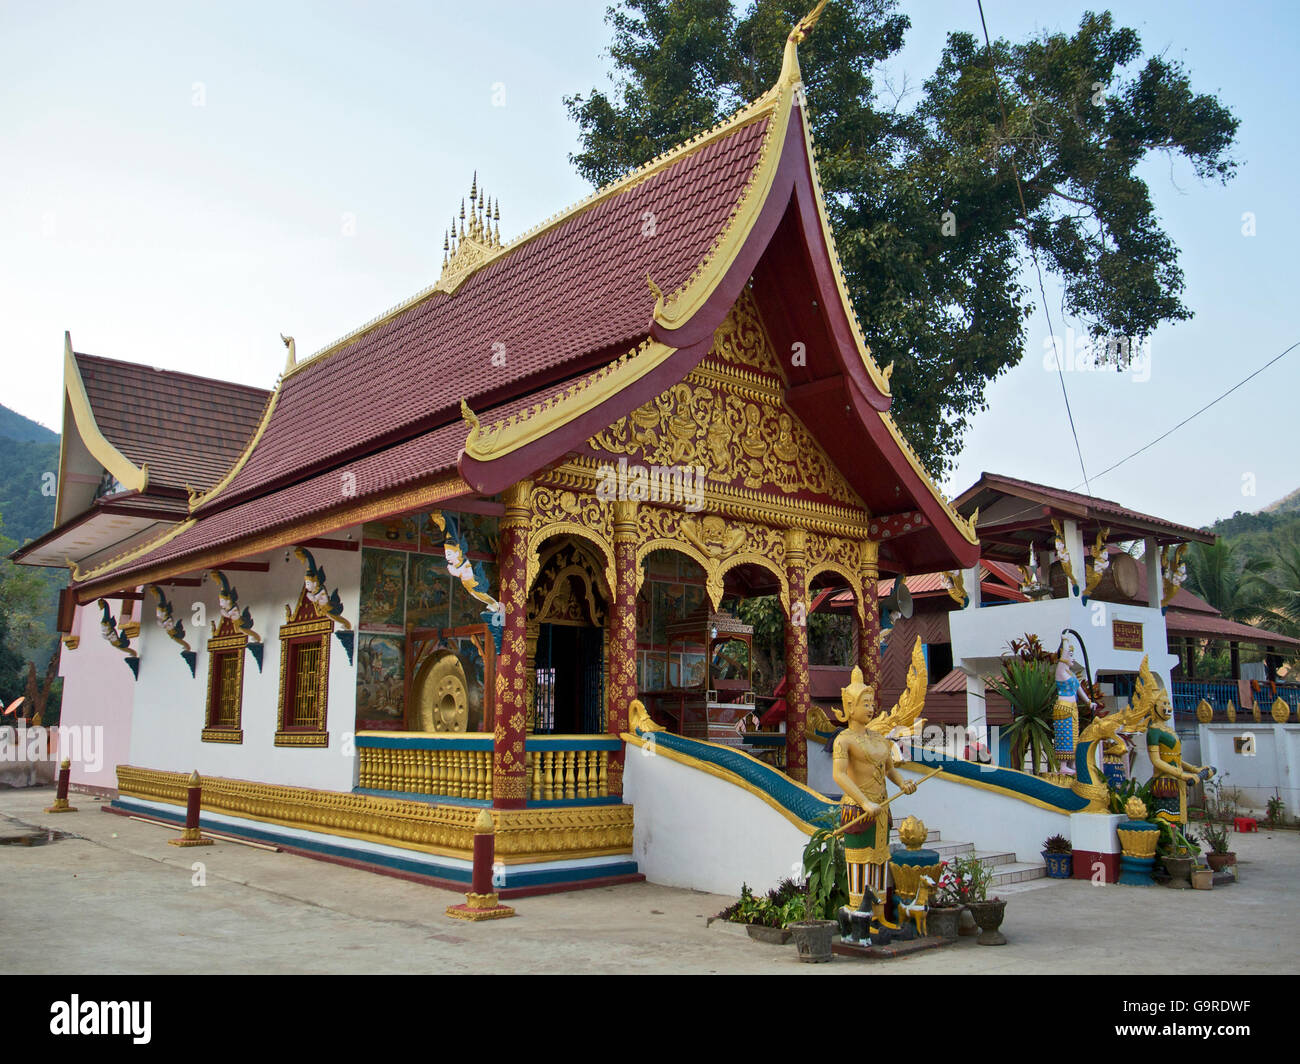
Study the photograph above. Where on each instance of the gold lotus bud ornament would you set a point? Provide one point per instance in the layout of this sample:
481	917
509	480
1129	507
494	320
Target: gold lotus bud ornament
1136	809
913	832
1204	711
1281	711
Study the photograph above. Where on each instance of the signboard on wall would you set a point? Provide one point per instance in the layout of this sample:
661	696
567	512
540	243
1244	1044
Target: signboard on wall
1126	635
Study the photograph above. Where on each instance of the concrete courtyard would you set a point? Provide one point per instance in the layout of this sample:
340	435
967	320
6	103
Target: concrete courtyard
113	897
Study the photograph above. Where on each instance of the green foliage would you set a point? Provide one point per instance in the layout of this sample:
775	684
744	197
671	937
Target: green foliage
1215	837
963	880
1030	687
779	907
1275	812
827	874
929	205
1131	788
1057	844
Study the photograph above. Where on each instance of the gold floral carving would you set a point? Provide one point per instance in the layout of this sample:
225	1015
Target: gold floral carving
717	545
557	511
522	835
730	421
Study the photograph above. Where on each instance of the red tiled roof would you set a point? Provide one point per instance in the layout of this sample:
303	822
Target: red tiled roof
1212	626
379	473
189	430
563	301
1087	507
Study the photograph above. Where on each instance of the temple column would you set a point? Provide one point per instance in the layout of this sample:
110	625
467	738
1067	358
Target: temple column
509	779
622	651
797	693
869	643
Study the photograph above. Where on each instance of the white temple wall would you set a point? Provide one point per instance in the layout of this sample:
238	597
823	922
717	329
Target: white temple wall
170	706
98	696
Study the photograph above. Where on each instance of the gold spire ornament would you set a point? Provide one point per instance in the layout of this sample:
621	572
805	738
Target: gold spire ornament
471	241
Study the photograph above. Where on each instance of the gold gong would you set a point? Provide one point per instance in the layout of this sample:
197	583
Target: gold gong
442	694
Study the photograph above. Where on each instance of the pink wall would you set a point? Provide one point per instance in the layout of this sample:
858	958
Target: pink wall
98	694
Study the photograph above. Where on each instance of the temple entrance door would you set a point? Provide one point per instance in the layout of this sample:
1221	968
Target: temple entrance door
570	679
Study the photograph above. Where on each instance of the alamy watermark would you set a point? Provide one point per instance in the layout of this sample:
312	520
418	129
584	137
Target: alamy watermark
82	744
682	485
1087	354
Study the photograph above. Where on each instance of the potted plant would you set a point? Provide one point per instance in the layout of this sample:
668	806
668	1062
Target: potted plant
1058	855
827	877
944	917
969	886
1216	838
766	918
1178	853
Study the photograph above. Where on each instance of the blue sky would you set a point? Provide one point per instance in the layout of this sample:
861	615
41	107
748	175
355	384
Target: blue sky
181	183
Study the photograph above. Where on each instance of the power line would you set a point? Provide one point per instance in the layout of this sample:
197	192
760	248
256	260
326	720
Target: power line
1033	250
1169	432
1203	409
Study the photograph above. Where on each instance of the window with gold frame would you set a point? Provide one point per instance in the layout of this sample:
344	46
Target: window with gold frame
304	676
223	718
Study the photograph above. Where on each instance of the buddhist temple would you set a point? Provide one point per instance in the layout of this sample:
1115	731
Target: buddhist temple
435	568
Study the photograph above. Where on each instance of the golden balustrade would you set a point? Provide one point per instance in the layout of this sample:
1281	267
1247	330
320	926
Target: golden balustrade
561	768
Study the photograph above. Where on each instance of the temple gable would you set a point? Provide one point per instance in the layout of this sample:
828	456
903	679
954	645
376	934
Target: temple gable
728	418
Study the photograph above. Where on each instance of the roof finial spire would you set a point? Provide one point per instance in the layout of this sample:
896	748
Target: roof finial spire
790	74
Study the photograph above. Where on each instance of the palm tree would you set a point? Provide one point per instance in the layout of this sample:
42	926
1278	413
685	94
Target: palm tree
1283	589
1233	585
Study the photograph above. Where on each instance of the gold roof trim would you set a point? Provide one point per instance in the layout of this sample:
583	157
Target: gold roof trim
485	444
966	526
124	471
197	499
750	112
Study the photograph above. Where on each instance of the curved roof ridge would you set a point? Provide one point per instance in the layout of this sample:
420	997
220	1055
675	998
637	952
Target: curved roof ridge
751	111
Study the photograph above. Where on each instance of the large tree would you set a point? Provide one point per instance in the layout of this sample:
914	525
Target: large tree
937	202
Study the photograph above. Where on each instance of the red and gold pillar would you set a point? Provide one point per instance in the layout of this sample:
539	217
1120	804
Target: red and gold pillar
869	643
797	690
622	649
509	779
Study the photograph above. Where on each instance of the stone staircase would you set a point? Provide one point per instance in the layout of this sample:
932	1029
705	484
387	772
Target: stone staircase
1009	875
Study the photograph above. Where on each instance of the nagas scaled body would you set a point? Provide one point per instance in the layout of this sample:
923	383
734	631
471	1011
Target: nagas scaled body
863	760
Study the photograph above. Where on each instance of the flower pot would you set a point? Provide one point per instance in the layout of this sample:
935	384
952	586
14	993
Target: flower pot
989	914
942	922
966	925
1219	861
812	939
1059	865
1179	869
1202	879
776	936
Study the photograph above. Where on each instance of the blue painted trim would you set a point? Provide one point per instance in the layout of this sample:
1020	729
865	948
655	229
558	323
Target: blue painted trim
541	742
424	864
810	808
422	742
1019	782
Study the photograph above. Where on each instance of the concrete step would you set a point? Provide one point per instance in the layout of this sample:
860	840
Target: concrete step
994	859
1016	872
